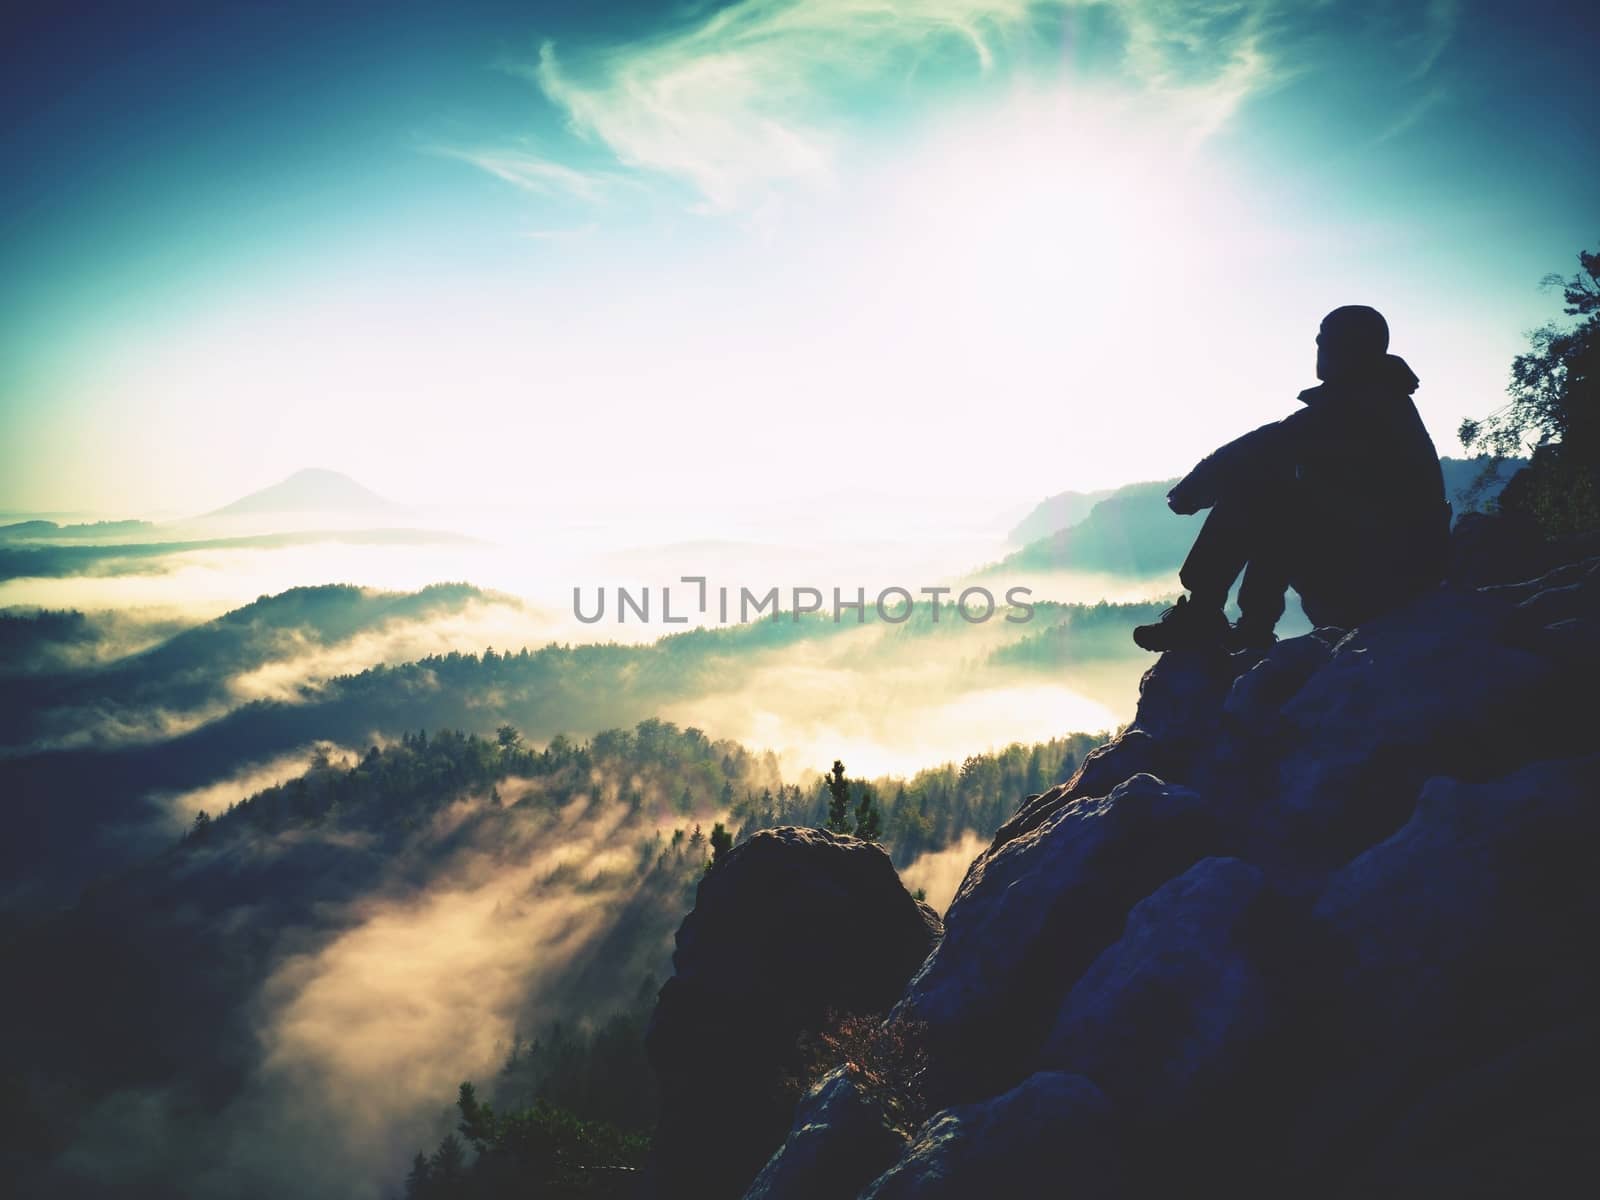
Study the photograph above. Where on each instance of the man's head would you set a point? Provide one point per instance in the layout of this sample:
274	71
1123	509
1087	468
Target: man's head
1352	339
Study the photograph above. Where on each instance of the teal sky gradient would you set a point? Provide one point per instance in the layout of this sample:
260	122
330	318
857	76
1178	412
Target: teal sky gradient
553	254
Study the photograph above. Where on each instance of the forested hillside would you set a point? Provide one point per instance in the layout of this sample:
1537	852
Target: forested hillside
519	901
103	744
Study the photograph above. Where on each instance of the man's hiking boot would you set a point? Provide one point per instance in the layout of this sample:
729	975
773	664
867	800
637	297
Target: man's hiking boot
1184	626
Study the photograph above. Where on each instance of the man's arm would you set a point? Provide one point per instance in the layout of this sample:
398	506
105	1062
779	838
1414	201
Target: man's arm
1222	470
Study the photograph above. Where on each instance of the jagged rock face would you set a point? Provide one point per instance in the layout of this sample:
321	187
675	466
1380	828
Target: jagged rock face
1257	696
1053	1134
1180	705
1031	915
795	922
839	1143
1462	941
1166	1018
1134	753
1430	688
1506	548
1330	936
1488	549
1180	701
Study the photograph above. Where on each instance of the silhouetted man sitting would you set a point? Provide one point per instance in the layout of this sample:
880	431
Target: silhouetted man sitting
1343	501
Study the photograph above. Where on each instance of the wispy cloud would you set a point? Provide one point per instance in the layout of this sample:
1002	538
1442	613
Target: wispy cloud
1439	29
764	95
1413	114
536	173
751	96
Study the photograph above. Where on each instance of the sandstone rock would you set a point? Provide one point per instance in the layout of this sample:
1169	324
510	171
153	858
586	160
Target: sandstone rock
1475	918
1520	1124
1053	1134
1563	576
1575	643
1132	753
1176	721
1166	1018
1499	548
1257	695
1448	945
1180	704
1032	915
1380	995
795	922
1427	689
1568	597
838	1144
1581	599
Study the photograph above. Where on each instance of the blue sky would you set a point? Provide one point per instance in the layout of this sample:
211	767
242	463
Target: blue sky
522	252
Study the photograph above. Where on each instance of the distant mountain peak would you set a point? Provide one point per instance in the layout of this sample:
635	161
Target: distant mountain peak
311	489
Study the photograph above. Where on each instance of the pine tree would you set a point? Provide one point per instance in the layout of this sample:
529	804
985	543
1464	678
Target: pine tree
869	826
449	1161
721	843
419	1183
477	1124
839	802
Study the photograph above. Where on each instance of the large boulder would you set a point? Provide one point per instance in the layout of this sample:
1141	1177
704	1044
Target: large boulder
1558	617
840	1142
1491	548
1180	704
1052	1135
1431	688
1174	726
1476	919
793	924
1032	915
1519	1124
1133	752
1377	995
1465	935
1166	1019
1258	695
1562	576
1573	592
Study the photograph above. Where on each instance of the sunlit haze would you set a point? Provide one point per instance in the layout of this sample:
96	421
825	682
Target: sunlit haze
630	261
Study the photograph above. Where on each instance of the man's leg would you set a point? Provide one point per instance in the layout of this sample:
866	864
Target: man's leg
1257	530
1261	598
1219	553
1250	529
1279	543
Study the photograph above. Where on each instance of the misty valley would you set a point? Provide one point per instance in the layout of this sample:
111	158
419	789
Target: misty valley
284	877
337	892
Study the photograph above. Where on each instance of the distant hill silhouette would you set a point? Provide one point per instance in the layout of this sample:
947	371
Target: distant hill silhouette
1055	513
311	490
49	529
1132	532
50	561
